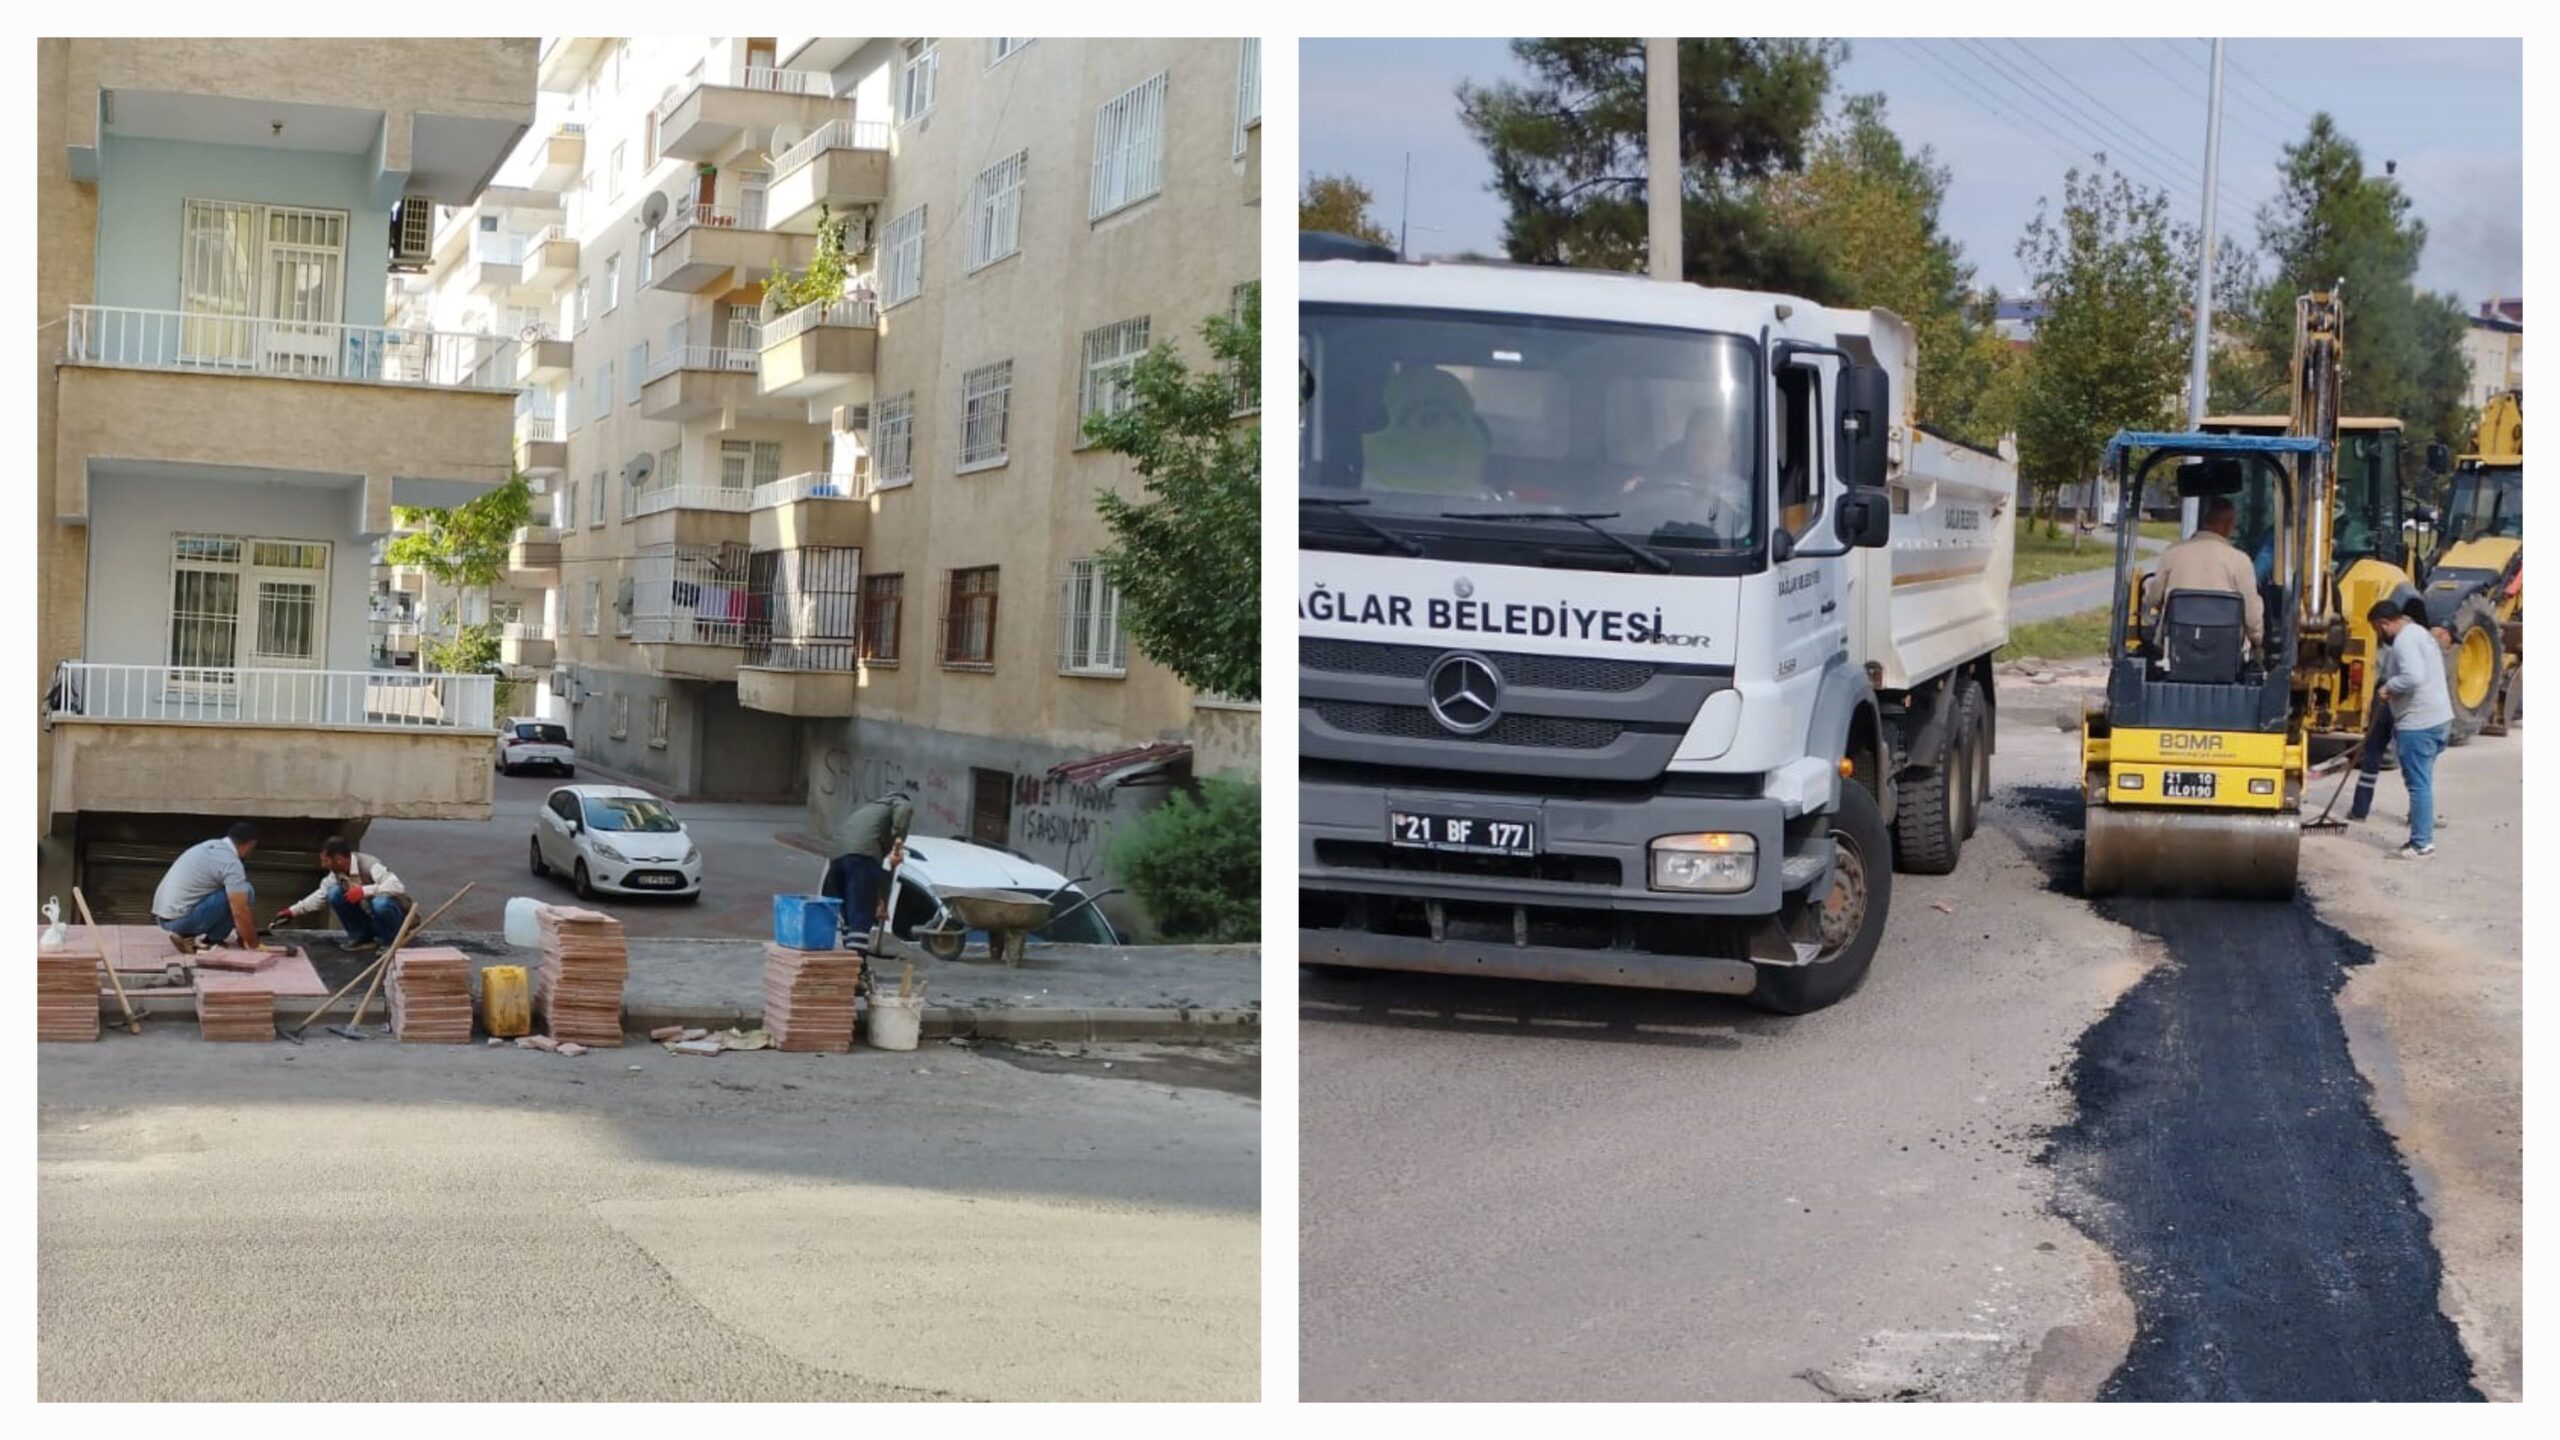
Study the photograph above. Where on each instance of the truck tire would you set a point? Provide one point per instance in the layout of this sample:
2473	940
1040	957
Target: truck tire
1973	727
1928	813
2474	668
1862	888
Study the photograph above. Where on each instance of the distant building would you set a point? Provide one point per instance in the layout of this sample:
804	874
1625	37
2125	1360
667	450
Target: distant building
2493	350
2016	321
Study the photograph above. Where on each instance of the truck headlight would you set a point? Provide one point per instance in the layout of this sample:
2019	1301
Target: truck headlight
1717	862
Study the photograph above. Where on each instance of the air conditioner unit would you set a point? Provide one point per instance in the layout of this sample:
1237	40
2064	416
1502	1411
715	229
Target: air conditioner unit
851	419
560	681
413	233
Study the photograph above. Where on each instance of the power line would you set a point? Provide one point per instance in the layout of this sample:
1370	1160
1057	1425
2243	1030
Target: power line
2230	194
2124	156
1955	83
2235	93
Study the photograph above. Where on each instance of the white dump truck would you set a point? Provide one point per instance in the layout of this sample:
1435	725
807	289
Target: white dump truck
1642	633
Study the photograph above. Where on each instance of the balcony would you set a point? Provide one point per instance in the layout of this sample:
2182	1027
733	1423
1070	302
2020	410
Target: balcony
809	511
691	515
843	165
533	555
291	397
561	158
528	645
814	681
496	269
817	348
565	60
550	259
540	448
543	358
705	248
817	53
691	381
149	739
705	119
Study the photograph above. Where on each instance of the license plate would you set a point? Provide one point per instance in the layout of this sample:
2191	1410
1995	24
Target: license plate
658	882
1467	835
2187	784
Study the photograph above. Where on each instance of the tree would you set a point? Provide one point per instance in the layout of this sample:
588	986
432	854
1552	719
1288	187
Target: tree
1868	211
823	279
463	548
1195	862
1187	559
472	649
1340	205
1568	153
2111	349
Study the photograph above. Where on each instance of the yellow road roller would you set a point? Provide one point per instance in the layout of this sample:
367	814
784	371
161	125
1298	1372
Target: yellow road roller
2193	763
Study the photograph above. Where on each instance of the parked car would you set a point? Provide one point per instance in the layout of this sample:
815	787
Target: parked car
934	864
614	840
526	743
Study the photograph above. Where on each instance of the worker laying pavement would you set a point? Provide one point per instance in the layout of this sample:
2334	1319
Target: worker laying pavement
867	847
204	898
360	890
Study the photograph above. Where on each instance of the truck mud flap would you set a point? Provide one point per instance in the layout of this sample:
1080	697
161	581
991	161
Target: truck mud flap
1630	969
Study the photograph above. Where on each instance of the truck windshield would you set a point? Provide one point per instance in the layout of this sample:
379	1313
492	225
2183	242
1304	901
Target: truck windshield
1426	418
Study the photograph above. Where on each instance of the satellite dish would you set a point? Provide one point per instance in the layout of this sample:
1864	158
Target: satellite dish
637	469
653	211
785	135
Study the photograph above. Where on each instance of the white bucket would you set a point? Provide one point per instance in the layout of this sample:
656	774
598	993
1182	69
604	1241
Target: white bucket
524	922
896	1023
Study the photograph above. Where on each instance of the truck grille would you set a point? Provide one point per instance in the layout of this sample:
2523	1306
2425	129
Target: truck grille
1559	869
1412	722
1537	672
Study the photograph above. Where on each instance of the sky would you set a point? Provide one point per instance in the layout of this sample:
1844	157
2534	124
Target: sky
2008	118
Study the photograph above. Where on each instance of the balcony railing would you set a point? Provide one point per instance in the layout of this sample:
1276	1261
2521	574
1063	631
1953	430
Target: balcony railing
501	248
690	214
837	134
856	314
540	532
806	487
802	655
695	497
694	630
756	77
300	349
371	699
524	630
534	429
544	236
703	357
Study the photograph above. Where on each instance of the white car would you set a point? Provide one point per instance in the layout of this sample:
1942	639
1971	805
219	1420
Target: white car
614	840
530	744
917	913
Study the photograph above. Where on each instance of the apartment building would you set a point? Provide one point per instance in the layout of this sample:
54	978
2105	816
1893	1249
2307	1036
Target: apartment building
816	551
224	423
2493	351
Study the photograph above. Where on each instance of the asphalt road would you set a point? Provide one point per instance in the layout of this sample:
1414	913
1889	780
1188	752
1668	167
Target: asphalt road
346	1221
1995	1173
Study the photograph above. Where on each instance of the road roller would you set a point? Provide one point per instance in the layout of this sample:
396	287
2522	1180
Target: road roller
2193	762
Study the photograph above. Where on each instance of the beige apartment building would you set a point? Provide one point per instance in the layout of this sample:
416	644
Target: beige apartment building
818	551
224	423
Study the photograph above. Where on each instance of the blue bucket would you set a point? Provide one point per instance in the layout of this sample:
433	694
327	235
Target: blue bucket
806	922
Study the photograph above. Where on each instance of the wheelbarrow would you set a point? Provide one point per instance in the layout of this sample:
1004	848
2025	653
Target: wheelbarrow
1007	916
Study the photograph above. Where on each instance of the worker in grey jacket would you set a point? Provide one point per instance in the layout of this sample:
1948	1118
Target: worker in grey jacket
360	890
868	846
2421	714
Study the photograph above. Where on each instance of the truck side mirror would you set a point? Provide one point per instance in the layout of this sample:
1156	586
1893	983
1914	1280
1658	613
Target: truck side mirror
2439	459
1866	403
1863	518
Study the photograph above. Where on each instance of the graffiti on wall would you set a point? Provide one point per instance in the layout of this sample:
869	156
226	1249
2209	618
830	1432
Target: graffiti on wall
1064	826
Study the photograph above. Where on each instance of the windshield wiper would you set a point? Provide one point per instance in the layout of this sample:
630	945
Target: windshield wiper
1651	558
1344	507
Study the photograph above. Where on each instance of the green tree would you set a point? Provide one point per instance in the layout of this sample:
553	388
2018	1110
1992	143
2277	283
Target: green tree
472	649
2111	349
1187	558
824	277
1568	152
1195	862
463	548
1868	210
1340	204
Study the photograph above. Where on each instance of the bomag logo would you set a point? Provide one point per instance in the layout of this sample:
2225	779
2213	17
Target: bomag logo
2172	741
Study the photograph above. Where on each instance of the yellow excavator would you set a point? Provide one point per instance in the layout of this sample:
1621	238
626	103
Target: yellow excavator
2475	580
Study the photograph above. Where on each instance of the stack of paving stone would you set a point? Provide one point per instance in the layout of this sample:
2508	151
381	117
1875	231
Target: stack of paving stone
236	1014
431	995
67	982
809	997
584	964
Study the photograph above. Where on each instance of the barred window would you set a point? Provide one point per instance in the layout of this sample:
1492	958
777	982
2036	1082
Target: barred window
986	402
671	466
969	618
1110	353
1093	643
902	264
893	439
995	209
1248	88
1128	148
883	600
595	501
621	716
657	722
745	464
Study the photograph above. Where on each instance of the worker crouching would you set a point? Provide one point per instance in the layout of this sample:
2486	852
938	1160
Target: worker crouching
360	890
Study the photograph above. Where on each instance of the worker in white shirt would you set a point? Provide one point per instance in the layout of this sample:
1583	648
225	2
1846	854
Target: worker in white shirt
360	890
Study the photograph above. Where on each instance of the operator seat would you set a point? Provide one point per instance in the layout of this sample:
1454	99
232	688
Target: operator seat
2203	637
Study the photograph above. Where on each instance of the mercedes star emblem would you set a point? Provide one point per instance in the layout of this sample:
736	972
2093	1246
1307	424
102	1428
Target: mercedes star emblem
1466	694
1465	587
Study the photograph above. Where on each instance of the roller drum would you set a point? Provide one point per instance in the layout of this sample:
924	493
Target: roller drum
2211	853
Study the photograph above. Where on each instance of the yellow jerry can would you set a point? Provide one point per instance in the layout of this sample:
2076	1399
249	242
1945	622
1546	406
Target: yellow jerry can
506	1001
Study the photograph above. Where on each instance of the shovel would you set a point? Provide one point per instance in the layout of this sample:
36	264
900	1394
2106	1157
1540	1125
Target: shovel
376	970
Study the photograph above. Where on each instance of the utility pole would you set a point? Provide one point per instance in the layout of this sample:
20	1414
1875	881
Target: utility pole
2199	393
1404	212
1662	157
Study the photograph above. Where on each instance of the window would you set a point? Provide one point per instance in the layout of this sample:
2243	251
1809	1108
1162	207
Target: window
595	605
621	56
1093	644
242	263
649	139
636	366
569	507
648	254
1248	88
1799	459
613	177
1128	148
999	51
578	309
612	282
893	439
1244	302
506	612
986	401
1110	353
969	618
621	717
657	722
745	464
883	597
569	406
282	585
917	77
995	210
595	502
671	466
622	588
604	390
902	249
